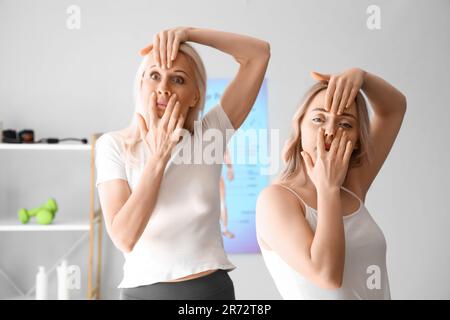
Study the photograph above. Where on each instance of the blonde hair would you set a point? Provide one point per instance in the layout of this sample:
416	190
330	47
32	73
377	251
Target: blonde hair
292	150
130	137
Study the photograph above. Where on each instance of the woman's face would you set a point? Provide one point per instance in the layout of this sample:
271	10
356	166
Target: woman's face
316	117
179	79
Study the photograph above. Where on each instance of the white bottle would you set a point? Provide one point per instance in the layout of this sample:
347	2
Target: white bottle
41	284
63	290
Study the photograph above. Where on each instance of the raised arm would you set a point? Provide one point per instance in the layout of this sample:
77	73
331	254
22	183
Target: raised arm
389	108
253	57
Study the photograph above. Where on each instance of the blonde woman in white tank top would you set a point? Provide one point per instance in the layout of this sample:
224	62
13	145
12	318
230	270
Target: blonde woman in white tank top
317	238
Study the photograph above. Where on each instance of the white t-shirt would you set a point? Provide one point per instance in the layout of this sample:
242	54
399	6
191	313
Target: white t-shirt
183	234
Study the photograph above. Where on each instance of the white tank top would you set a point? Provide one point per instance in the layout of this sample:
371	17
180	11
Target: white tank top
365	274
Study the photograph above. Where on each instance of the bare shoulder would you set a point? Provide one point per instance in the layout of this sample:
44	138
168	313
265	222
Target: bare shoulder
279	214
275	199
274	193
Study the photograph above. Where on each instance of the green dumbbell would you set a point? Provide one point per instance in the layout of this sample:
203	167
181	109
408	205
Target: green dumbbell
44	214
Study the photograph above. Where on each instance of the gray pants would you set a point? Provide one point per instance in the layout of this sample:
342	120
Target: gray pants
215	286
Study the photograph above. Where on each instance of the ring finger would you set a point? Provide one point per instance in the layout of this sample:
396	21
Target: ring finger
342	144
330	93
174	117
152	110
344	100
156	50
335	142
162	49
169	49
168	111
336	97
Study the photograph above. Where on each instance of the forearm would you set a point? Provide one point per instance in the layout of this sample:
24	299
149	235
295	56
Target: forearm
328	246
129	223
383	97
242	48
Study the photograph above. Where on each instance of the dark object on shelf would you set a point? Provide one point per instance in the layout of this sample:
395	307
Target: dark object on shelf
10	136
27	136
56	140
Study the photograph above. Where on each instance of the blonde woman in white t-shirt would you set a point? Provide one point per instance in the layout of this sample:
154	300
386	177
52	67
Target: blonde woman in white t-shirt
317	238
163	215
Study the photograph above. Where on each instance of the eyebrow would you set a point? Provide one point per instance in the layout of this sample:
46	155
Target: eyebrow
178	70
344	114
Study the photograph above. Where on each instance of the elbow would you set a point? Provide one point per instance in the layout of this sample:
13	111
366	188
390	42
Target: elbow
331	283
123	243
260	56
400	103
124	246
328	282
126	243
404	103
264	53
324	277
328	279
121	240
266	50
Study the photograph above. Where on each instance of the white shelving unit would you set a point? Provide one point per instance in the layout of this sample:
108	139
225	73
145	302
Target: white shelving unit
86	227
11	225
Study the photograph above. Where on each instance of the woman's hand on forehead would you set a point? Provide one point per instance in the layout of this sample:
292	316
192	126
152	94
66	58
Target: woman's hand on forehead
165	46
342	88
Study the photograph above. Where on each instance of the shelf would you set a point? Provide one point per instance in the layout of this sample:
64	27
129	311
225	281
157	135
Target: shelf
93	225
14	225
44	146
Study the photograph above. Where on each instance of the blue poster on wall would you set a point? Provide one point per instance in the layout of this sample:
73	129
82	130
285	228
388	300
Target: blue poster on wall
241	181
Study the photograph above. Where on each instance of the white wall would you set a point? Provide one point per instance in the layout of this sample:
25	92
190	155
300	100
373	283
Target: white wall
67	83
